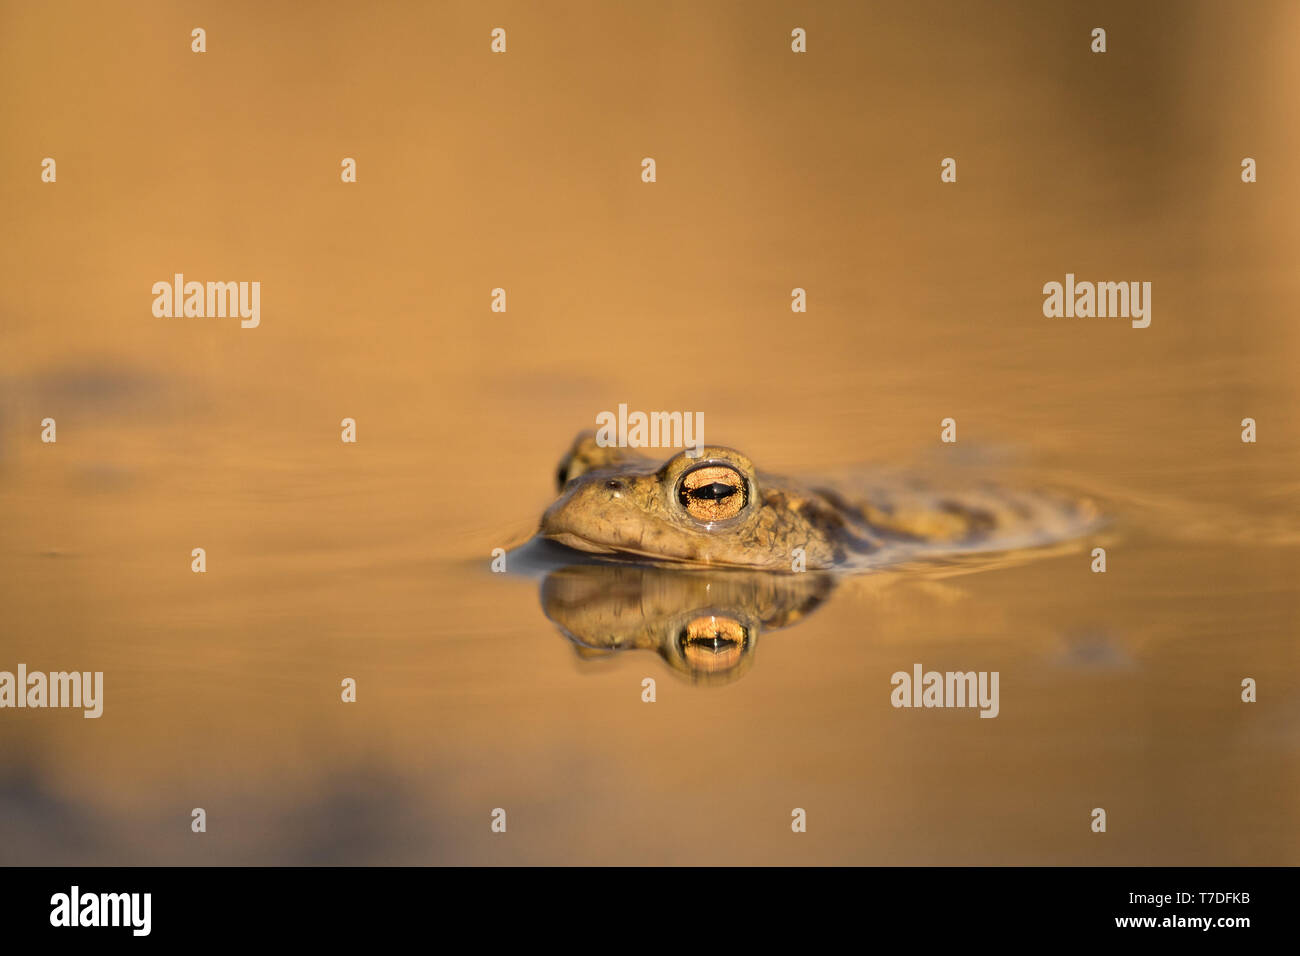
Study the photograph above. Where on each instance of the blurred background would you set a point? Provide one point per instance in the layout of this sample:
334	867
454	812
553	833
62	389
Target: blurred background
522	171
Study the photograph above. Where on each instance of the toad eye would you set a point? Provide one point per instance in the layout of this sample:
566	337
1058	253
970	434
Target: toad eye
711	643
713	492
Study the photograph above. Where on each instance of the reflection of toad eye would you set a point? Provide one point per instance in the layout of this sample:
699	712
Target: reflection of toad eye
713	492
711	644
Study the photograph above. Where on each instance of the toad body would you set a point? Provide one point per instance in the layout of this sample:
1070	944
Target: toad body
712	508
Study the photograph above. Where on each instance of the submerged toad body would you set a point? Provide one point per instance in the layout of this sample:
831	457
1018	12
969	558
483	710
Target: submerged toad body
717	510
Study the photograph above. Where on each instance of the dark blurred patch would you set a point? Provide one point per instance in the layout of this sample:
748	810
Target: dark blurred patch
365	816
94	383
84	395
40	828
1094	650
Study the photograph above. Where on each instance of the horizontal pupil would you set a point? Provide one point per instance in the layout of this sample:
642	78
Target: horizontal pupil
712	492
717	640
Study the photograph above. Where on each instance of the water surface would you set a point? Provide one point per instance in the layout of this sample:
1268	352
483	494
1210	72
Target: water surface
370	561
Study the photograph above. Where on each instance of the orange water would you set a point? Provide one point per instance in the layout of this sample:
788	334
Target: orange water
521	171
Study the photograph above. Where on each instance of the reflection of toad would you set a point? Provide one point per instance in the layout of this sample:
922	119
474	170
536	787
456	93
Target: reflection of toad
704	624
